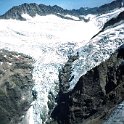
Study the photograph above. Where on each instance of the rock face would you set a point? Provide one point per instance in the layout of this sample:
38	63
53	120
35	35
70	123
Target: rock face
95	94
15	86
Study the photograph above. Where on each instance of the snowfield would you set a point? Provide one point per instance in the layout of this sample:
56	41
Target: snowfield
49	40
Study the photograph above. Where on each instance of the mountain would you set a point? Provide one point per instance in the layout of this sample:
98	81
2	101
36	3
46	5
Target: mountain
33	9
77	60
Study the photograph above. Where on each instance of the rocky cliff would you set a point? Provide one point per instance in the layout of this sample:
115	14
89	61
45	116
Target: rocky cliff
15	86
95	94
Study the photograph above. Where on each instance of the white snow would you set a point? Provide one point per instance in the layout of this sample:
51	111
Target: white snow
49	39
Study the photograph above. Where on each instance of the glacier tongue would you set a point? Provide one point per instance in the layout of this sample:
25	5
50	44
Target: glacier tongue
49	40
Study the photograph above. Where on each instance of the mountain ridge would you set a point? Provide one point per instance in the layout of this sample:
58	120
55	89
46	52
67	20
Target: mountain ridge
32	9
111	22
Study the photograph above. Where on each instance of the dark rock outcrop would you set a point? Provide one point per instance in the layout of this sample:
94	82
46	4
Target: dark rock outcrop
65	74
95	94
15	86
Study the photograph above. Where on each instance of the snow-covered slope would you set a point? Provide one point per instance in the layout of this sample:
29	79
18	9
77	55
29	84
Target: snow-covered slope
50	40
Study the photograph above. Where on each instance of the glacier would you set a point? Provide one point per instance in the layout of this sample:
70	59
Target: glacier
50	40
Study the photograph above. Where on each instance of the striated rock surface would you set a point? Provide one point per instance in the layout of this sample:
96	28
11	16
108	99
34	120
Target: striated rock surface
15	86
95	94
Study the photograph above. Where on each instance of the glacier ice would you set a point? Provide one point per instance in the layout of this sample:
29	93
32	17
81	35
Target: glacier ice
49	39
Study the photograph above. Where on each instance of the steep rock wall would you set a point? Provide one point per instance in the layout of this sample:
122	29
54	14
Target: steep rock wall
95	94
